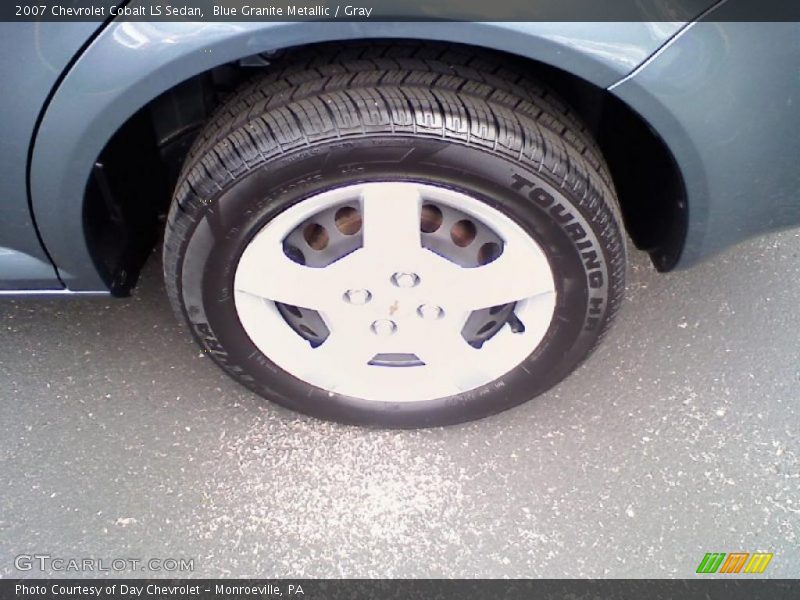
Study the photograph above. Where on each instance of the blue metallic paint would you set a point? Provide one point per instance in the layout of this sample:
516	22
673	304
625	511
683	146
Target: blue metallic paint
725	97
32	57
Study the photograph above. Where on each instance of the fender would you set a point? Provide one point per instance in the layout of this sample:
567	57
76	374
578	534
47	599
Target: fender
725	103
34	55
130	63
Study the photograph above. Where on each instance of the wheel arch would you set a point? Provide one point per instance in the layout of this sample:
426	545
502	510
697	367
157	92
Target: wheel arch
102	107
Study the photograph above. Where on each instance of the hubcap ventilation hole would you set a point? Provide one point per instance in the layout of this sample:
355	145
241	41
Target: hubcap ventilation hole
488	253
348	220
294	253
463	233
431	218
316	236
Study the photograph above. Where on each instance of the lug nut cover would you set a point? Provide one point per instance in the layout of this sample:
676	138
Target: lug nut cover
384	327
357	296
430	312
405	280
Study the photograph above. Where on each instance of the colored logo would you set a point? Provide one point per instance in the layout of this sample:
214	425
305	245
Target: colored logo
735	562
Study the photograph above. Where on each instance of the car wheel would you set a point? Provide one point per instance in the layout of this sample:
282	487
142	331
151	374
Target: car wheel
395	253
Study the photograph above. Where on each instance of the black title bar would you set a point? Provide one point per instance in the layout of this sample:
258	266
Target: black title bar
399	10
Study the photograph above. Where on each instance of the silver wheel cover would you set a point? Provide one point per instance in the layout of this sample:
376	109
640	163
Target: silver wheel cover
394	306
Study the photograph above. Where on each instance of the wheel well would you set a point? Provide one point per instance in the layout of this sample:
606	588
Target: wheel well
132	182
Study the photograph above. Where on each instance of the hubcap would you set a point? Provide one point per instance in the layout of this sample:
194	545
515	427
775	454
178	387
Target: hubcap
442	293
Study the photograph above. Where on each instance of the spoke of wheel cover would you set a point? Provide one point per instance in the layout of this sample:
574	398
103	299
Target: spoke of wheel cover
264	270
341	356
449	355
391	213
513	276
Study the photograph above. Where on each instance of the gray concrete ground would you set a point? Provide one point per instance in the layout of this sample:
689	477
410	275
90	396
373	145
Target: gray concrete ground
678	437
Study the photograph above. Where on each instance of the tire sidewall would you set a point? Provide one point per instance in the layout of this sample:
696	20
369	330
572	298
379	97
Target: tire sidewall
566	224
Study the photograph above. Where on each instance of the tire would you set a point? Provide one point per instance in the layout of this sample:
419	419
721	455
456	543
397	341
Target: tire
341	66
347	124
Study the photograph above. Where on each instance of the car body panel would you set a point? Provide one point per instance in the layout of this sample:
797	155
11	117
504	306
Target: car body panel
32	58
130	63
23	270
725	97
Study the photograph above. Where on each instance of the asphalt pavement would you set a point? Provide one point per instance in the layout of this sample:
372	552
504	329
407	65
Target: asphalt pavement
679	436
